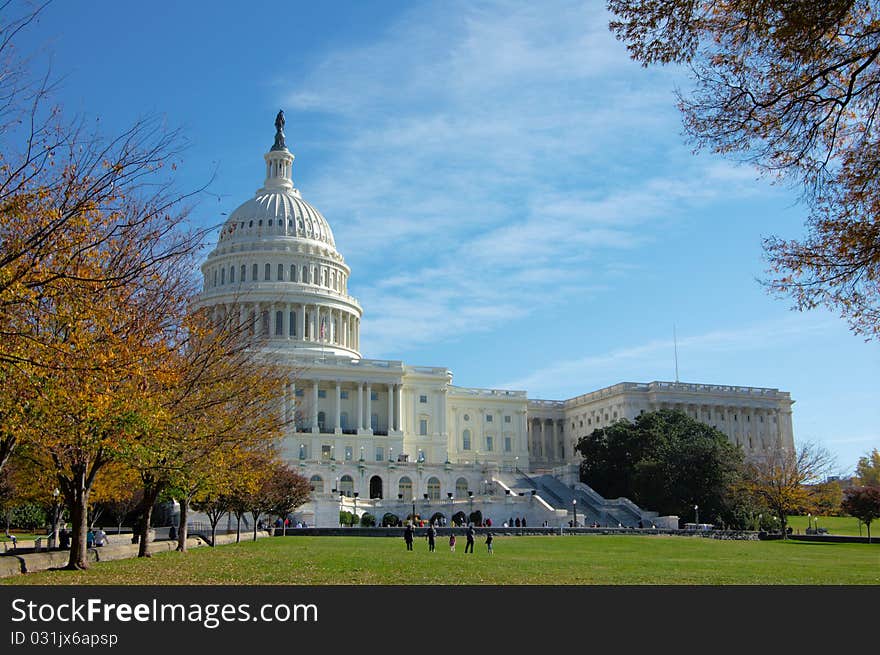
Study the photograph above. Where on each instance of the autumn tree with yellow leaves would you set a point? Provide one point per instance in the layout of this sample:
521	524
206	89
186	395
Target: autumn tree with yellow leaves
793	87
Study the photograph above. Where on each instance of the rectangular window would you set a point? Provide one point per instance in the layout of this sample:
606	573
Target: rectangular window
343	395
423	399
423	427
507	419
466	440
280	272
490	443
322	393
325	452
488	418
380	453
374	395
507	444
292	324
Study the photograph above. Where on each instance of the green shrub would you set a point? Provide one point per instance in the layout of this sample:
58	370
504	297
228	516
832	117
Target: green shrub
368	520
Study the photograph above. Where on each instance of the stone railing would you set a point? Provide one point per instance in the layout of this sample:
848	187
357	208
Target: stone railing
487	393
685	387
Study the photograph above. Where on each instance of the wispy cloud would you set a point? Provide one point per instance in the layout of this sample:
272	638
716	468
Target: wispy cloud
651	360
487	150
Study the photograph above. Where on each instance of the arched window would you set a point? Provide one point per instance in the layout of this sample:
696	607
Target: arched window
405	488
346	485
232	275
267	274
434	489
222	276
317	484
264	320
293	272
375	487
461	488
323	277
254	272
292	329
305	275
280	272
466	440
279	324
243	271
215	277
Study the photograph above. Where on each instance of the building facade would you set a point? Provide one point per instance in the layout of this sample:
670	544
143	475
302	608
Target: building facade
384	436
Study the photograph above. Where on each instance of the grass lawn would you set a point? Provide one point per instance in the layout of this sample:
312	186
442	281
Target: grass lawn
540	560
842	525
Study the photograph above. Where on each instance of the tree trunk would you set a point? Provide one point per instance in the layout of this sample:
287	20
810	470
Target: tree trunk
181	527
144	530
255	516
151	492
213	533
238	528
78	498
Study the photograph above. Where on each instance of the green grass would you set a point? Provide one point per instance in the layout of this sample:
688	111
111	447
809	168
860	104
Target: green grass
840	525
540	560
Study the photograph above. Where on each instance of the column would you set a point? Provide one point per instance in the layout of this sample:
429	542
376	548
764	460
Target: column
293	405
337	427
301	333
360	422
285	321
315	407
369	417
398	391
390	408
441	418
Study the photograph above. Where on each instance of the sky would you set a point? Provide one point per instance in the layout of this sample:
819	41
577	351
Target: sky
515	197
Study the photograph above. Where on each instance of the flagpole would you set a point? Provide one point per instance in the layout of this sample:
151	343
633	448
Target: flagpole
675	346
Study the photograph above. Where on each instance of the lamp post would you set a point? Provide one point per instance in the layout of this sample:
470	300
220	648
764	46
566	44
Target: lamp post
302	451
574	507
355	504
516	463
390	455
697	516
471	503
809	522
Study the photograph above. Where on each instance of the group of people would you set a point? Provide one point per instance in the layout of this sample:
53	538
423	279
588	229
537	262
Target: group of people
431	537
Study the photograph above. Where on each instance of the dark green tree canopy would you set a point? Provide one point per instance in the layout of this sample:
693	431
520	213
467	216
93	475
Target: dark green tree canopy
665	461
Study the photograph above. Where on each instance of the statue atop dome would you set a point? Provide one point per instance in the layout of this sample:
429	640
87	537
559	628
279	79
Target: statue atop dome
279	132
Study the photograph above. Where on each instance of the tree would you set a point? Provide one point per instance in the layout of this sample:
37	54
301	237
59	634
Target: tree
825	498
666	461
868	468
215	506
794	88
863	503
287	491
780	478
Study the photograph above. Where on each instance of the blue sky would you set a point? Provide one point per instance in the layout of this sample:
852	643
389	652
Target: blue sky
514	196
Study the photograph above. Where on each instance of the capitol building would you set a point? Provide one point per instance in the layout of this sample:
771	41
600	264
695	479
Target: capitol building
392	438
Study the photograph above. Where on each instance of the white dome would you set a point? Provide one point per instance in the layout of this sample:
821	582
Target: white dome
278	212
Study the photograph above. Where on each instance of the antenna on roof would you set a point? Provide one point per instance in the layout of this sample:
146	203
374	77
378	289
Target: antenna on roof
675	346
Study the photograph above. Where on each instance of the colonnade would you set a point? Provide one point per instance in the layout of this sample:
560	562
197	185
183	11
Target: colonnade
363	419
297	321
